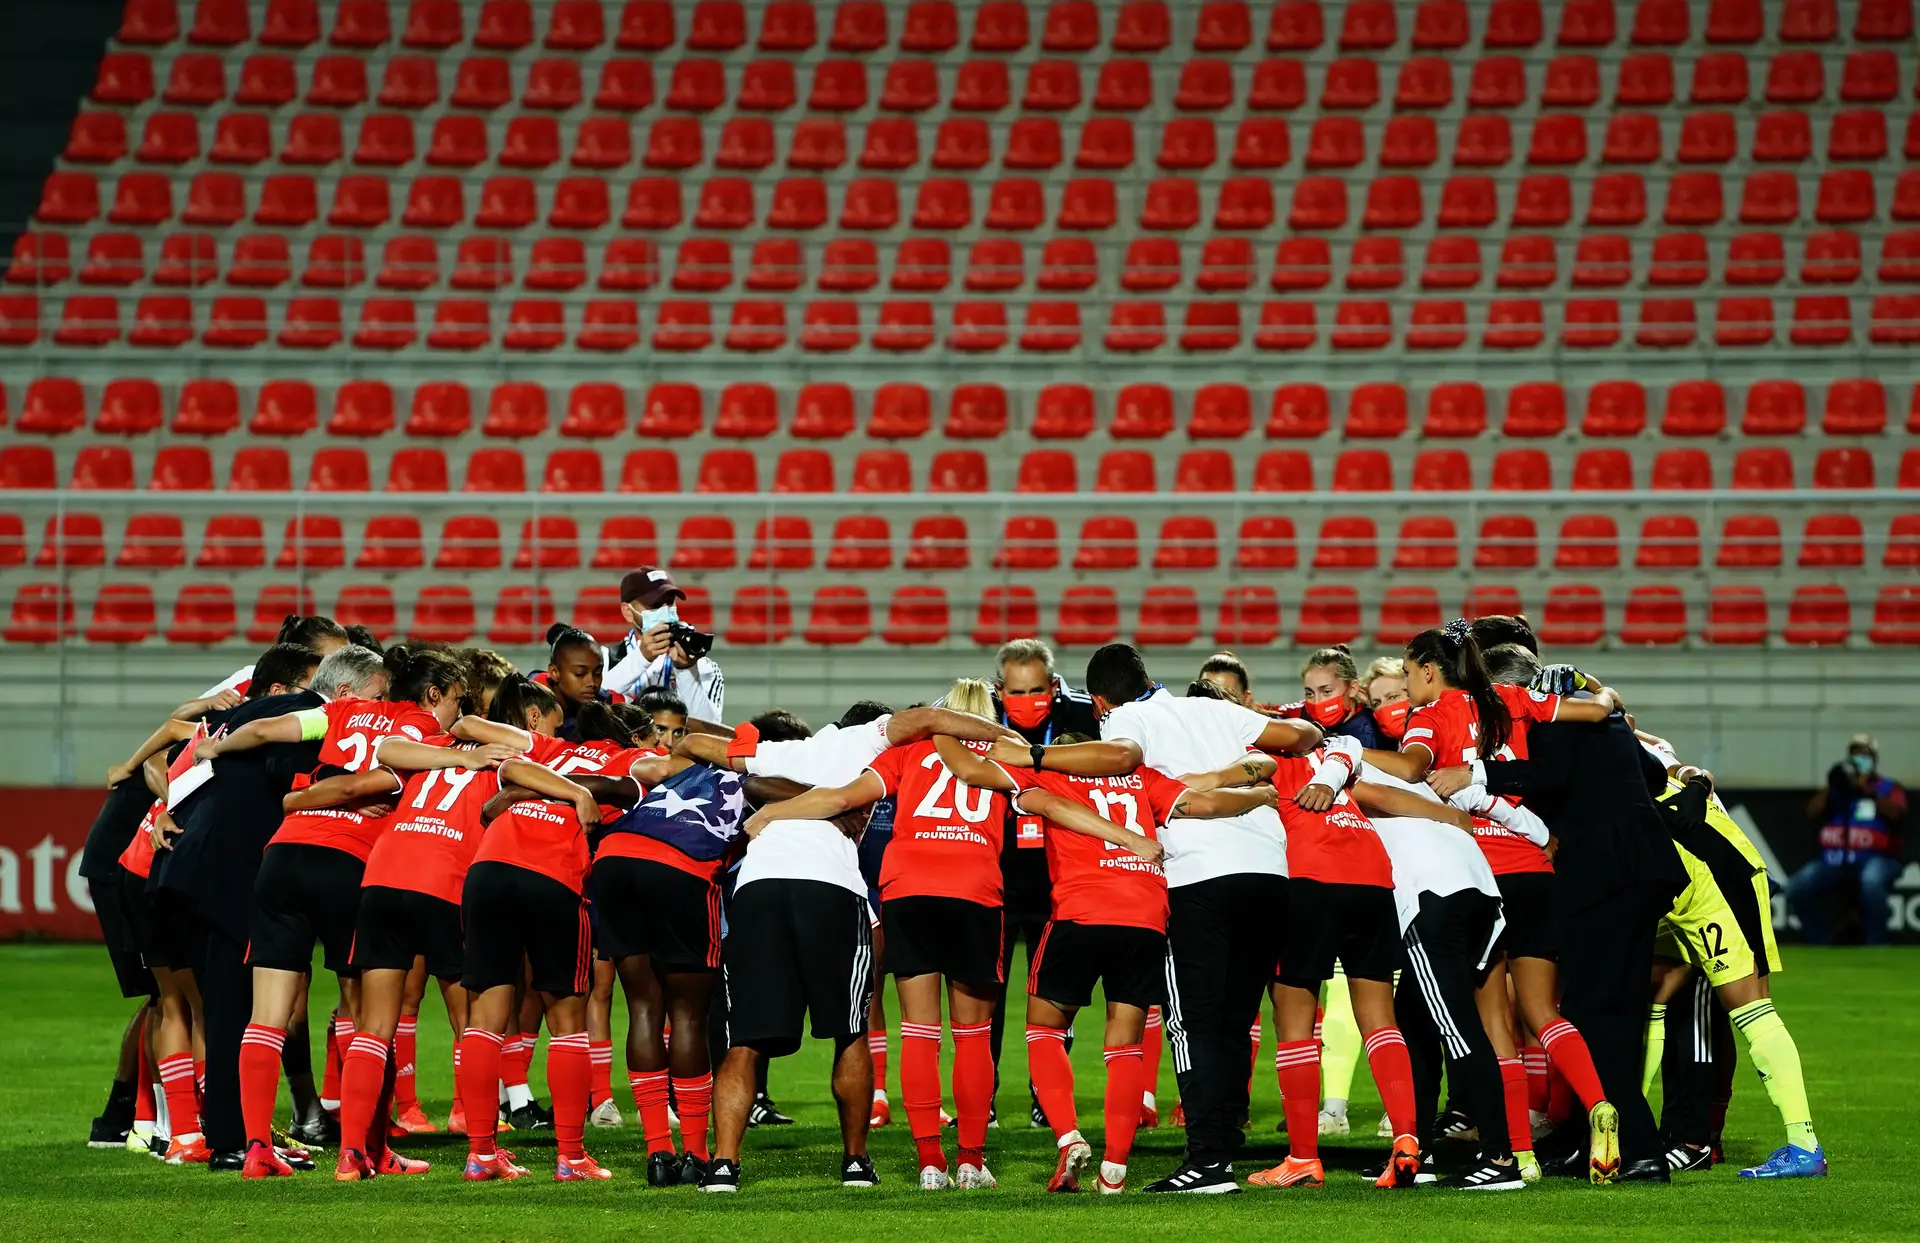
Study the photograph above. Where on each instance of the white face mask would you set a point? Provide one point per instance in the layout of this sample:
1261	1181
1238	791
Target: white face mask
649	618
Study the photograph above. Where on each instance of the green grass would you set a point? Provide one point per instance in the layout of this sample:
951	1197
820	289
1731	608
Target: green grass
1855	1013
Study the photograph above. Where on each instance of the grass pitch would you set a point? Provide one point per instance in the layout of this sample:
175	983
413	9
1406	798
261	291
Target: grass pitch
1855	1014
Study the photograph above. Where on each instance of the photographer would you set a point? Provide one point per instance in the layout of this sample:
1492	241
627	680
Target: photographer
1859	816
661	651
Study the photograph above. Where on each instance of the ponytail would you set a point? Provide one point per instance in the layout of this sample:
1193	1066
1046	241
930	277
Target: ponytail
306	630
1457	652
517	697
594	721
412	672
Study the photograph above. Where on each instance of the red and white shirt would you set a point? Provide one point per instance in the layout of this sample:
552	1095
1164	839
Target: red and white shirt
1095	881
946	834
138	856
547	837
430	840
354	730
1448	729
1338	846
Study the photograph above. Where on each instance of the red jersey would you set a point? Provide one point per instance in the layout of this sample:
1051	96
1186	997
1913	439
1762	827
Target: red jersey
545	836
946	834
1097	882
138	856
1449	729
1338	846
430	840
354	730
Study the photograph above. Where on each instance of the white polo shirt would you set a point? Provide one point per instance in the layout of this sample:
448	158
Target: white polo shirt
1177	736
812	849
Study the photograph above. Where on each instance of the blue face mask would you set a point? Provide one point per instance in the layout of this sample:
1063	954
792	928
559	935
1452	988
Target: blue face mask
649	618
1864	763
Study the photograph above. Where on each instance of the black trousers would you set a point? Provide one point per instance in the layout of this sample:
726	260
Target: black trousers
1434	1007
1606	960
1686	1065
1223	942
1019	927
226	998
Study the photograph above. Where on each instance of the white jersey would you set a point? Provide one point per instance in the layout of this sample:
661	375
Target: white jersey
812	849
1178	736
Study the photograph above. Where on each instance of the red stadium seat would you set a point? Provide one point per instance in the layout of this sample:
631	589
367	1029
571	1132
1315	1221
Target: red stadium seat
1818	616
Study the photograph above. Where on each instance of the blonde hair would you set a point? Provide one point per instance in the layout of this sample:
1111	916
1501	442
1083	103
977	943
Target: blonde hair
1384	667
970	695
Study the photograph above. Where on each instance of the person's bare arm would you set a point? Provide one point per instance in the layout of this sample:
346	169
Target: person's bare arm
651	770
171	730
1413	764
480	729
545	784
1249	769
1289	736
341	790
1599	708
1068	814
287	727
712	729
763	790
819	803
709	749
973	768
397	752
194	709
1215	804
153	770
918	724
1084	759
606	791
1392	801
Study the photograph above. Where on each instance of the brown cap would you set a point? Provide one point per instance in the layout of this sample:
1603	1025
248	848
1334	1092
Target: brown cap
650	587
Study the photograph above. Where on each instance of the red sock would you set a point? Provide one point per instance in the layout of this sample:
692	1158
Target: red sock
569	1072
1298	1064
600	1083
695	1098
877	1046
477	1082
362	1072
1569	1051
145	1109
1150	1046
259	1079
973	1084
920	1089
1052	1075
516	1061
406	1045
1393	1074
176	1080
650	1098
1560	1097
1535	1059
339	1036
1513	1078
1126	1075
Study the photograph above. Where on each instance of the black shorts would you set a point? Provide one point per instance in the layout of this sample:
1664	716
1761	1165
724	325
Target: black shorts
510	912
944	936
1326	920
1131	964
121	927
873	852
797	948
170	935
398	925
1530	902
305	894
668	914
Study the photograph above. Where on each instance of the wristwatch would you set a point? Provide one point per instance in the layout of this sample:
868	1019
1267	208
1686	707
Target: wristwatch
1038	754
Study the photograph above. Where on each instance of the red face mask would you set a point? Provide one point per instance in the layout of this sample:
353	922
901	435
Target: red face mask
1028	711
1327	713
1392	718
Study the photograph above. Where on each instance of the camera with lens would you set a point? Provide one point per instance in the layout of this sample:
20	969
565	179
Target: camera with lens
695	643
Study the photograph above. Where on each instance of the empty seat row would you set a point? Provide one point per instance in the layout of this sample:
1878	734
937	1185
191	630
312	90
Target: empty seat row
920	614
1000	26
391	140
812	471
652	25
751	410
77	539
698	85
1014	204
413	262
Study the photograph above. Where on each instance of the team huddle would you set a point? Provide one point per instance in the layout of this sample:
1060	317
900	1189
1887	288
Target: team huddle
1462	864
